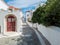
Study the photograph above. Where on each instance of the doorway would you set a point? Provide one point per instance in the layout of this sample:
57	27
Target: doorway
11	23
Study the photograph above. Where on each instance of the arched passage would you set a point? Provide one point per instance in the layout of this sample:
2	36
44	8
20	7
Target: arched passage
11	23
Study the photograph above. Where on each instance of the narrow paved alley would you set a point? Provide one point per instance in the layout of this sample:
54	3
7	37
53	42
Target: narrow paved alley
28	37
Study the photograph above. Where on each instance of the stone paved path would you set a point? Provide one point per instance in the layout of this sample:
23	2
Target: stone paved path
28	37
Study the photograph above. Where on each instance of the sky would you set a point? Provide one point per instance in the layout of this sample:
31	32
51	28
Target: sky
25	4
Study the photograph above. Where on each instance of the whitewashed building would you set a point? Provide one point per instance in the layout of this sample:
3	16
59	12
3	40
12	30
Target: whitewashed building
10	20
29	15
3	5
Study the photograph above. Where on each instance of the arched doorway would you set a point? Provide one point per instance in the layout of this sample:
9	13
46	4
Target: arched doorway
11	23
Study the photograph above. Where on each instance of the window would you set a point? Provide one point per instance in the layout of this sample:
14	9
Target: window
13	19
9	19
10	10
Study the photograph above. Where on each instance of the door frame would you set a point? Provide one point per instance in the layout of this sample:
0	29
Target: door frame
6	17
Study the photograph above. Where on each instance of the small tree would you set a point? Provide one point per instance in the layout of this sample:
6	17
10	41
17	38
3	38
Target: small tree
52	13
37	15
48	14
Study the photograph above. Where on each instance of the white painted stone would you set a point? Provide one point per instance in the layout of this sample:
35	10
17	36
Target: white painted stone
51	33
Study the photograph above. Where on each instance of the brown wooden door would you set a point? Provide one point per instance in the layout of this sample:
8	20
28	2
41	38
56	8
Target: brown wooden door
11	24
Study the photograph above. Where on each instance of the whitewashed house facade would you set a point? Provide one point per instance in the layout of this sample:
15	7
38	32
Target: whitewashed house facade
10	18
29	15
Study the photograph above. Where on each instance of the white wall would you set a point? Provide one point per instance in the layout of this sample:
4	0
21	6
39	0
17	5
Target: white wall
3	5
3	20
51	33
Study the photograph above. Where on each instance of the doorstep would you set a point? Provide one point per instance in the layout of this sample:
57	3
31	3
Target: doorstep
10	34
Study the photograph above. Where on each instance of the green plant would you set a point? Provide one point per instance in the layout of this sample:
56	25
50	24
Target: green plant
48	14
